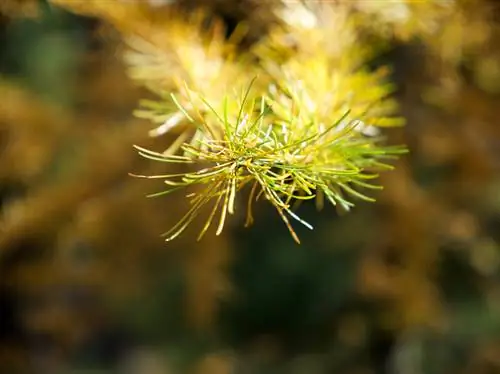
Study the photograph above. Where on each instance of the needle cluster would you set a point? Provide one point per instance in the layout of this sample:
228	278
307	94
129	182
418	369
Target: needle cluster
300	123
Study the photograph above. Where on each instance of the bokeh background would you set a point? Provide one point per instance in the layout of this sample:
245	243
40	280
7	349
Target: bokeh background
408	285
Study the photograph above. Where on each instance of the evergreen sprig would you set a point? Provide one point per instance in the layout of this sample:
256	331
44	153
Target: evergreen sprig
285	162
307	128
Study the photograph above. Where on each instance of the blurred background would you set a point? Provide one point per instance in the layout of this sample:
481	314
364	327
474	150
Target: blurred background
408	285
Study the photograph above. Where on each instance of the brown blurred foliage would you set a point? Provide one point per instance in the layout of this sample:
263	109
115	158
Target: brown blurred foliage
76	222
72	165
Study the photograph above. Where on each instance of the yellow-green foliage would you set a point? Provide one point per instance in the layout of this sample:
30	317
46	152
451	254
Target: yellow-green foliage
294	122
296	116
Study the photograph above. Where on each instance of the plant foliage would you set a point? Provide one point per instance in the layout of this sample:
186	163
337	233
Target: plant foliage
292	124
